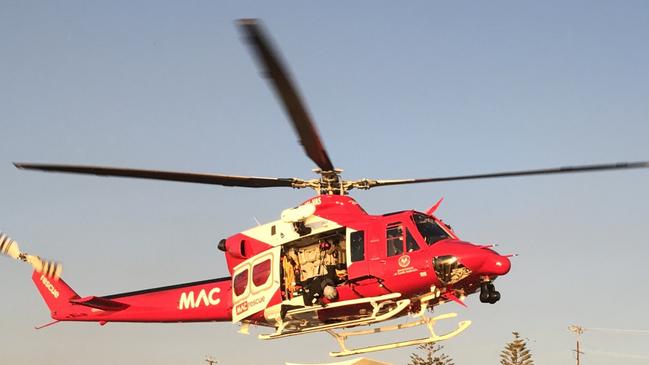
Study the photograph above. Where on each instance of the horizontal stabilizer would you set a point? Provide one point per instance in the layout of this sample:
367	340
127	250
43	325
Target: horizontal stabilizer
100	303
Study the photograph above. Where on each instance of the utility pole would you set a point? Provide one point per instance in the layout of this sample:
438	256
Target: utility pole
577	330
210	360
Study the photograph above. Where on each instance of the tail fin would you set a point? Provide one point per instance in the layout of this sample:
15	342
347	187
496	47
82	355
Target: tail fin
55	292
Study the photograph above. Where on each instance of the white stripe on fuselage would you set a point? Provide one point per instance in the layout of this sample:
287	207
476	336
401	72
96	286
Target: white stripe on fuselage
284	232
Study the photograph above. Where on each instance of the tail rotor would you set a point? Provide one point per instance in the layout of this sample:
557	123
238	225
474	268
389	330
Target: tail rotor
9	247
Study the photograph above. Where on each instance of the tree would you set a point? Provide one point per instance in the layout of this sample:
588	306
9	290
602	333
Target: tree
516	352
433	354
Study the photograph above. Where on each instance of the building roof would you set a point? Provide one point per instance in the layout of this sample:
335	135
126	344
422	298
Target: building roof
359	361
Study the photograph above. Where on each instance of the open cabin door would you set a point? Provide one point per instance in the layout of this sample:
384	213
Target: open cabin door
254	283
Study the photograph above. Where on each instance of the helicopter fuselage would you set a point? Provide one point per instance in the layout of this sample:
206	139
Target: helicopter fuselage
328	250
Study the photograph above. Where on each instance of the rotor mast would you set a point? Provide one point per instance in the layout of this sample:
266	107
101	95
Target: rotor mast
329	183
332	183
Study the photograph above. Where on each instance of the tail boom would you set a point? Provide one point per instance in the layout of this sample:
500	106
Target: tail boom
203	301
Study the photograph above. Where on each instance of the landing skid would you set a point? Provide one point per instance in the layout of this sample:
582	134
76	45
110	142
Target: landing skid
429	322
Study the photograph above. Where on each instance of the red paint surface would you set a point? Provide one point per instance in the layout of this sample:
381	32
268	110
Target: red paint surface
377	275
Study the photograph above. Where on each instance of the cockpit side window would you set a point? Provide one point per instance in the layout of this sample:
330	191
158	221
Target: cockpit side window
429	229
394	238
411	243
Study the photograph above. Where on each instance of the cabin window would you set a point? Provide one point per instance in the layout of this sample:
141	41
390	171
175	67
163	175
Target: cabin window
240	282
394	238
261	273
411	244
357	246
429	229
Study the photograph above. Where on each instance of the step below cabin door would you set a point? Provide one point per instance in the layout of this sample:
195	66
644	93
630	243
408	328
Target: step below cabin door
254	283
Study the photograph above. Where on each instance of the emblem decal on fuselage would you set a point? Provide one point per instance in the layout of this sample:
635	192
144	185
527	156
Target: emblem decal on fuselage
189	300
244	306
404	266
404	261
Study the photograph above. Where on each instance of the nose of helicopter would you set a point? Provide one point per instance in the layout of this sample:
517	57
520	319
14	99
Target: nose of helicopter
495	265
483	260
469	258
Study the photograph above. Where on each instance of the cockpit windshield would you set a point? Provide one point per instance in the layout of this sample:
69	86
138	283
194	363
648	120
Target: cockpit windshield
429	229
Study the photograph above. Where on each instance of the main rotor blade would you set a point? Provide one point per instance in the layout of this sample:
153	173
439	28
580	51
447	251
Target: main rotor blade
272	68
557	170
200	178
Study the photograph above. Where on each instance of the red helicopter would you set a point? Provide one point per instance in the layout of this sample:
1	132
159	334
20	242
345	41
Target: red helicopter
325	265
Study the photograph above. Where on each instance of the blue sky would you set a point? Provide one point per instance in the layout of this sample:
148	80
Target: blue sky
416	89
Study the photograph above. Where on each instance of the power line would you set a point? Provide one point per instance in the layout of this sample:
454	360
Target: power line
620	330
618	354
578	330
